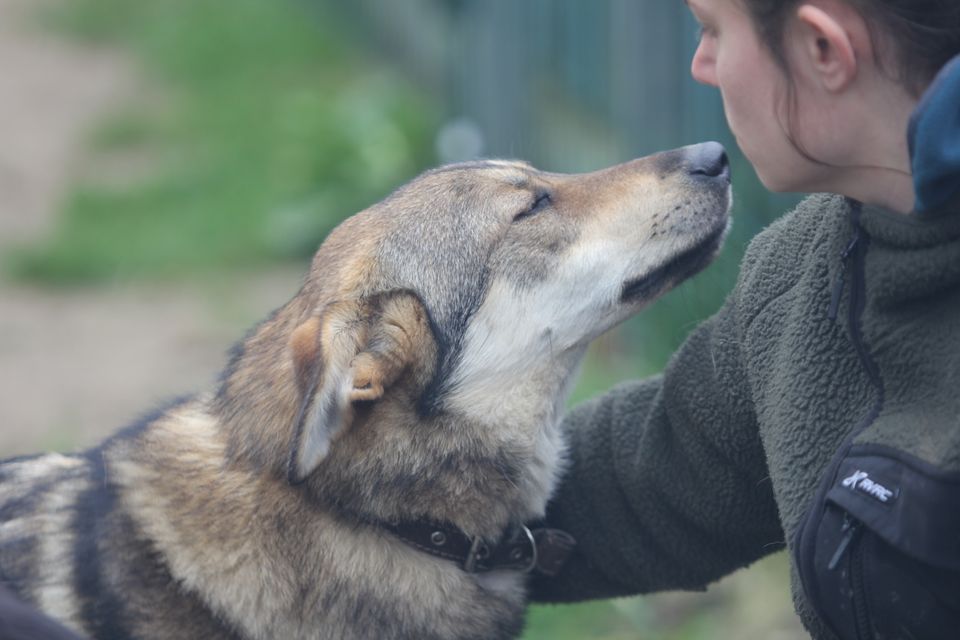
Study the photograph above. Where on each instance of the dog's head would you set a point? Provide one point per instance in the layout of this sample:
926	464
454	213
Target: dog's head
476	283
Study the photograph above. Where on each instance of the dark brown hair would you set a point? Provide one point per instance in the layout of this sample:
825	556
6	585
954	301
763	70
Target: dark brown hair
925	34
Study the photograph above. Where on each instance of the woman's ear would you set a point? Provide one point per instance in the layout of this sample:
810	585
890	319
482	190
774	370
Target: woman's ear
833	40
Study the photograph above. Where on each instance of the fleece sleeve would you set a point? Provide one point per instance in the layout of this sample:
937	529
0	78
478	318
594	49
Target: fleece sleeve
666	485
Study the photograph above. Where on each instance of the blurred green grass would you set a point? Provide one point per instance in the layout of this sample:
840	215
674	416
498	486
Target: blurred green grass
752	603
260	126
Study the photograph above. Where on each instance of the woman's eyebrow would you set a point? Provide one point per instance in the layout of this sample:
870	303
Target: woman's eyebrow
696	8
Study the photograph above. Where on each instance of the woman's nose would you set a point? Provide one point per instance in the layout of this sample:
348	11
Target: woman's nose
703	67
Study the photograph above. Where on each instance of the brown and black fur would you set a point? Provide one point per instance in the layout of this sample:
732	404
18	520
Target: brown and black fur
419	373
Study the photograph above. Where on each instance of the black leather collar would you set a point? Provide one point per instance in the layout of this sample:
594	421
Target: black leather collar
519	549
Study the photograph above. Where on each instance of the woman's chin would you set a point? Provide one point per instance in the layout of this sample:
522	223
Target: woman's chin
772	181
786	182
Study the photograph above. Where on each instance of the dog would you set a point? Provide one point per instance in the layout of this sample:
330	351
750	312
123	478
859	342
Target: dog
372	457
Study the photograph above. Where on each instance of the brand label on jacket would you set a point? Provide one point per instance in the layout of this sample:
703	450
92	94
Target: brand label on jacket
861	482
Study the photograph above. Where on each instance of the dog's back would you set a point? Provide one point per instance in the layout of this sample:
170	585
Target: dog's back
39	496
68	548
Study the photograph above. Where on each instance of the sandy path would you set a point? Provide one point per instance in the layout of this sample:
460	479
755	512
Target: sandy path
50	93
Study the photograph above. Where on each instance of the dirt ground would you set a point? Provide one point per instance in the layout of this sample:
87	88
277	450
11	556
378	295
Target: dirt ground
77	364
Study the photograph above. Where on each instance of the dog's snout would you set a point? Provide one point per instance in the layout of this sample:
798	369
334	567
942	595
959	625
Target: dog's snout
708	160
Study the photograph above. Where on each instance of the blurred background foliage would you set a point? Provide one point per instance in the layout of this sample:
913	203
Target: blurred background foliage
268	125
263	123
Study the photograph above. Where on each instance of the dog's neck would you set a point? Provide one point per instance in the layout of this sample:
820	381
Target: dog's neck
481	466
487	460
446	469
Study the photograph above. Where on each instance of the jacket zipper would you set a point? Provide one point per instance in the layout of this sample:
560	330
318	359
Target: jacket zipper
856	249
841	274
850	530
861	616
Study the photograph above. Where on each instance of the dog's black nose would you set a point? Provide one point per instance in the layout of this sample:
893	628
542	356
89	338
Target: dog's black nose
708	159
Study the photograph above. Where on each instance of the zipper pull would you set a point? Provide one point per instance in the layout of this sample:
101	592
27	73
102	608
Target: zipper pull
850	530
841	281
835	298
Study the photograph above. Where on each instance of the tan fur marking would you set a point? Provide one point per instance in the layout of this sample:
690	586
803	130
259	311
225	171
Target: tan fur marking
394	340
55	594
305	348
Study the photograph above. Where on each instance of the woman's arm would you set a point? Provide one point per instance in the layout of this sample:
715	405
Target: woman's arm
666	486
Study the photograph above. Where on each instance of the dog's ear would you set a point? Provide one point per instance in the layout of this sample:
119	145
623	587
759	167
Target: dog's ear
352	352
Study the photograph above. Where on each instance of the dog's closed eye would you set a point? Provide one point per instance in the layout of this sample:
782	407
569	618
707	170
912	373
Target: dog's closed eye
541	202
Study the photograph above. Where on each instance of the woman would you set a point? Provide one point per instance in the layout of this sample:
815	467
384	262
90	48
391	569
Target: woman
819	409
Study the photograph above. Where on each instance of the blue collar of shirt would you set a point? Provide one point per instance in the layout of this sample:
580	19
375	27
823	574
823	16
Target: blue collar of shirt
934	139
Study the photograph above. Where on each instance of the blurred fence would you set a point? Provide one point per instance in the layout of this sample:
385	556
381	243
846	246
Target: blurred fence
302	122
567	84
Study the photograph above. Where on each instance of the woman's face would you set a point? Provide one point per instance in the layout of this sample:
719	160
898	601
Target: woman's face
755	96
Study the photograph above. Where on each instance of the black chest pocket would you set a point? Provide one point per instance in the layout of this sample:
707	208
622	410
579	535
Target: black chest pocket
881	558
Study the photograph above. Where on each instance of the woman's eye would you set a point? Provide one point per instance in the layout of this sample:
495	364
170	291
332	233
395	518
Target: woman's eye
541	202
704	32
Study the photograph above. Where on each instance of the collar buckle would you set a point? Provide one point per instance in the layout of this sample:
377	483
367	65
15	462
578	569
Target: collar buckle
533	549
478	552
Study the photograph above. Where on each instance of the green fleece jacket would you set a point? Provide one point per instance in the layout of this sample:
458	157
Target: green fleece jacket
680	479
